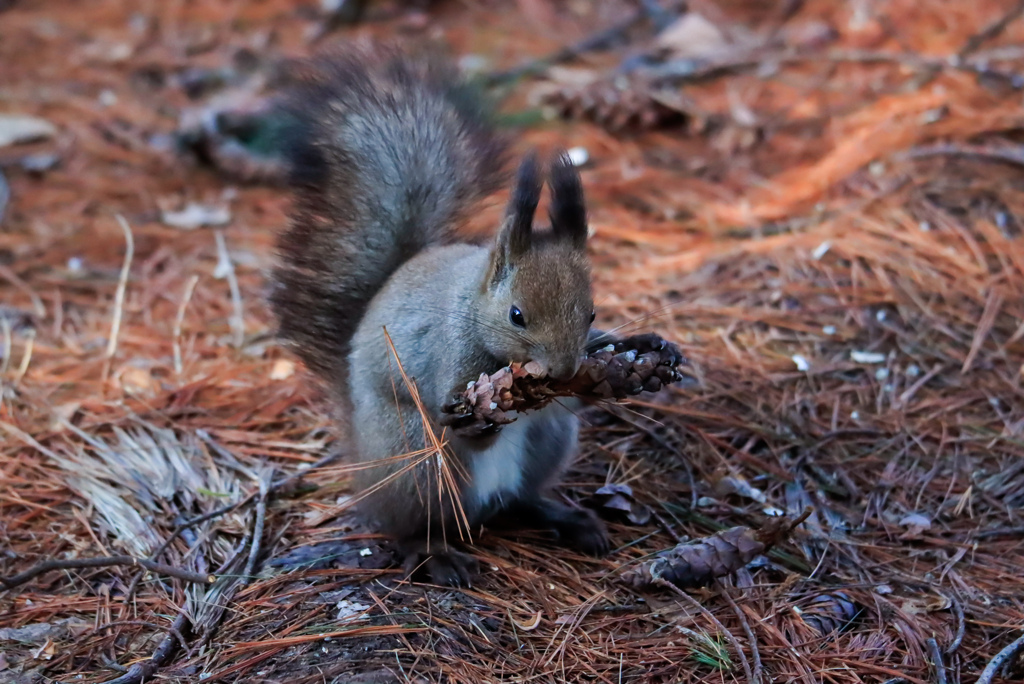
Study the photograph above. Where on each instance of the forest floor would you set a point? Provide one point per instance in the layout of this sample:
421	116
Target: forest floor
821	201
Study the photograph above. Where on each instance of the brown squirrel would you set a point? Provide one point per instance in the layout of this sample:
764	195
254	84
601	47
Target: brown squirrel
390	154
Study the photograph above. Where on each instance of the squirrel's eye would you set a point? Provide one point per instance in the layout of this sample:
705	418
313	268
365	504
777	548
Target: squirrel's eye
516	316
593	315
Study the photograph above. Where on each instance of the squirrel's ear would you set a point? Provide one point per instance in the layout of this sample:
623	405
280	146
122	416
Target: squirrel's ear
514	237
568	210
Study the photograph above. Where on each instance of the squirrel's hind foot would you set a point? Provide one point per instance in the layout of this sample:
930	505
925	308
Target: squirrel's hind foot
575	528
443	566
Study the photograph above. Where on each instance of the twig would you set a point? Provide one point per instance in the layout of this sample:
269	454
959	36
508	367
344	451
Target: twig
665	525
601	40
182	627
961	627
223	510
676	72
728	635
299	474
991	31
225	266
1000	532
912	390
180	320
79	563
1000	659
140	672
143	623
1006	155
5	328
936	655
122	286
5	196
117	667
178	631
257	531
37	303
754	650
26	358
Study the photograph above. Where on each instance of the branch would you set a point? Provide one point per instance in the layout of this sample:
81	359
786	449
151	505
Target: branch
257	531
177	533
961	627
143	623
991	31
178	632
1000	660
936	655
140	672
675	72
79	563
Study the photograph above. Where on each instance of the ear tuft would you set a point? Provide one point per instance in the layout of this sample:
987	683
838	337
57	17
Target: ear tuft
514	238
568	208
523	205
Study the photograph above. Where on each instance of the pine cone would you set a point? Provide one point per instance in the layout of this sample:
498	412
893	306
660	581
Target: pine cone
697	563
618	106
616	371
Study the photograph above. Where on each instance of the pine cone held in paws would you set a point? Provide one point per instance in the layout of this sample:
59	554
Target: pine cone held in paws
618	370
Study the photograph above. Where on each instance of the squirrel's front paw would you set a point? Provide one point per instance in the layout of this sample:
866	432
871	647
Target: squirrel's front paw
468	425
635	364
483	407
669	354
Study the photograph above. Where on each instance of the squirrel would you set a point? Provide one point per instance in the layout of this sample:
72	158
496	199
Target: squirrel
389	154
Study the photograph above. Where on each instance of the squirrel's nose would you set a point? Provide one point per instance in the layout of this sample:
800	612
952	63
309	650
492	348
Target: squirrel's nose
564	369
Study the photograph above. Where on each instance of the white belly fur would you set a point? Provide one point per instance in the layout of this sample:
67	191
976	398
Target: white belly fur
498	472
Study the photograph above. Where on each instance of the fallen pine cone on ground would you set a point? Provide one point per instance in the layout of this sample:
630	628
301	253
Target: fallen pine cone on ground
616	371
696	563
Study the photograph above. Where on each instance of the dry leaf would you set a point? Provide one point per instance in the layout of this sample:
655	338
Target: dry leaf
62	413
282	369
734	484
530	625
135	380
16	129
619	498
916	523
348	610
196	216
919	605
692	36
46	651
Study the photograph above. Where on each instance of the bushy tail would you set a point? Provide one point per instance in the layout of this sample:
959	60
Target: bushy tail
388	154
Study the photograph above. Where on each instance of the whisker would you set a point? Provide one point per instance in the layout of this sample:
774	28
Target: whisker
608	335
